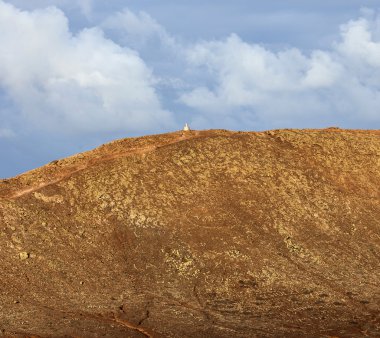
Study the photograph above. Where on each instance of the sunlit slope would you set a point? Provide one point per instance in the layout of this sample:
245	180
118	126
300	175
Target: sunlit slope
197	234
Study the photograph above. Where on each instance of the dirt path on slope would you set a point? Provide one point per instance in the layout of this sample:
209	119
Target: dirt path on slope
91	162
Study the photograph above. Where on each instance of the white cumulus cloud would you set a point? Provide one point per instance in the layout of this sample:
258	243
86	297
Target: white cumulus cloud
290	87
81	82
136	29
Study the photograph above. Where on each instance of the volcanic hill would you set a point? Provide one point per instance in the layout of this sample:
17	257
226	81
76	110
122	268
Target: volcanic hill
197	234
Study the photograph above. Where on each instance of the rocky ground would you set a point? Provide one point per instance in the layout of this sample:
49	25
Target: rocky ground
197	234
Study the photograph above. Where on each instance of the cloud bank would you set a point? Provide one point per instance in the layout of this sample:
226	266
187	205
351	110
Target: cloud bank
128	73
253	84
84	82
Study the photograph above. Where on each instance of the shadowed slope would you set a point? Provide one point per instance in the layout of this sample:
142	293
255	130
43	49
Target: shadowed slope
197	234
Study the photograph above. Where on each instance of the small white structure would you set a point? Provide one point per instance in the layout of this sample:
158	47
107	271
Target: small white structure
186	127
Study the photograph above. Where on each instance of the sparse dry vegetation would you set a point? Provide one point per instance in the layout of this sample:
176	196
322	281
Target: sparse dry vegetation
197	234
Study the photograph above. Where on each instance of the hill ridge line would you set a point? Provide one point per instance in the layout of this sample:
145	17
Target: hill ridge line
92	162
13	191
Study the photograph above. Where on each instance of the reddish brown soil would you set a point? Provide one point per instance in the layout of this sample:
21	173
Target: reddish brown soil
197	234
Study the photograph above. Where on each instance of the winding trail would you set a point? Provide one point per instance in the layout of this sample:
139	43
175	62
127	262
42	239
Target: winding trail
131	326
91	162
182	136
110	318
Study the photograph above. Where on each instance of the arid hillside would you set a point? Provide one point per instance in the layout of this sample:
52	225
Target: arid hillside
197	234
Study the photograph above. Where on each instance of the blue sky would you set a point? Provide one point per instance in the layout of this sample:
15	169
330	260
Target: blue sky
76	74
